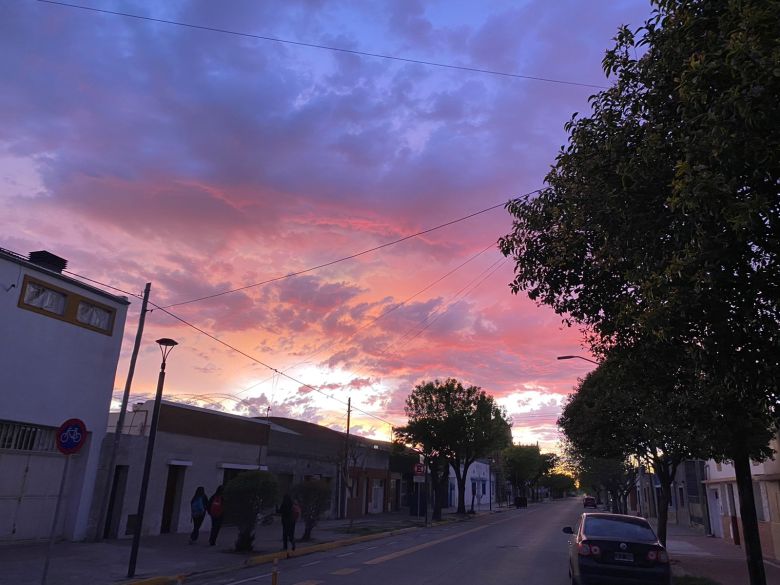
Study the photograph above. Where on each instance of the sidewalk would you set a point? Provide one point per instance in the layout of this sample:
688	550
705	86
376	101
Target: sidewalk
693	553
105	563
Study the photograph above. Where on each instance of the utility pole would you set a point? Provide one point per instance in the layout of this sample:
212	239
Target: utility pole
346	456
120	423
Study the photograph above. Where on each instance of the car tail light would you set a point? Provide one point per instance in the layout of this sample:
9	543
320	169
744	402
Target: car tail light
586	550
657	556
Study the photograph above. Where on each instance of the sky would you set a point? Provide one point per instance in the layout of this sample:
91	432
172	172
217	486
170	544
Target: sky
203	161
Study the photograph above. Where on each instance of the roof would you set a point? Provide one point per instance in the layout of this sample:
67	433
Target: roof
183	419
22	261
315	431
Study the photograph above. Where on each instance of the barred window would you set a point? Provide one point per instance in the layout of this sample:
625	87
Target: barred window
27	437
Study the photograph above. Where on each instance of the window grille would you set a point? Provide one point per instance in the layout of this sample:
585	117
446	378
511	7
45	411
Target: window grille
16	436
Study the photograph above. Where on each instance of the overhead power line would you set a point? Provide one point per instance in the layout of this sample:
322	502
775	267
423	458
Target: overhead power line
262	363
375	319
345	258
327	47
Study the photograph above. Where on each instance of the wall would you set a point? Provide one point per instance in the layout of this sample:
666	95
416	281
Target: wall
54	370
204	462
478	471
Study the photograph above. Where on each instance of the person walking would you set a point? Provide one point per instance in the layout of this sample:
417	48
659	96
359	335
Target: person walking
287	511
198	506
216	512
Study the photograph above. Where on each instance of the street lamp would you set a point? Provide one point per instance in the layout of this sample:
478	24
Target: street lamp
571	357
166	345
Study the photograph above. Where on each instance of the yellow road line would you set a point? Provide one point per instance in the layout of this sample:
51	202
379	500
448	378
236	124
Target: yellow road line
347	571
413	549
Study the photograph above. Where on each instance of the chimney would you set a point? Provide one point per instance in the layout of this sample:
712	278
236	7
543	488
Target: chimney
48	260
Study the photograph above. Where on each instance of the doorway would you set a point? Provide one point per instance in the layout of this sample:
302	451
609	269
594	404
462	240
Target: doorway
172	501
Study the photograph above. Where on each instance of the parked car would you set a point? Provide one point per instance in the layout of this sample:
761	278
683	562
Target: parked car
612	549
589	502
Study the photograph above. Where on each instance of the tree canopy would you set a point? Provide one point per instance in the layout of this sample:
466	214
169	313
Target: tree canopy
660	216
458	423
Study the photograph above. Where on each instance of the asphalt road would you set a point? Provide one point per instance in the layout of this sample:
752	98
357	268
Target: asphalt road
509	548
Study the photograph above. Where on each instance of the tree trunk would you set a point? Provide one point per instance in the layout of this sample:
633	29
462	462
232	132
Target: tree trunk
439	481
461	475
747	509
663	510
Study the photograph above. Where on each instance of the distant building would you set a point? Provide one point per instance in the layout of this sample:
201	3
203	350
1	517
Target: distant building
723	502
59	346
480	486
317	452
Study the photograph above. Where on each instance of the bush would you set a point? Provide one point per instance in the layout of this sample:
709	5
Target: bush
314	498
246	495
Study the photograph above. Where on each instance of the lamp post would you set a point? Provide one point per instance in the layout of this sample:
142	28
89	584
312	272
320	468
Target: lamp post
579	357
166	345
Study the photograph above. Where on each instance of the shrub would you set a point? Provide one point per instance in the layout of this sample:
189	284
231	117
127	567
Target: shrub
314	499
246	496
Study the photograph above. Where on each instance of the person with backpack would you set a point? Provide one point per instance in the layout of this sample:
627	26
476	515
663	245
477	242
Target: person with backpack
216	511
289	517
198	505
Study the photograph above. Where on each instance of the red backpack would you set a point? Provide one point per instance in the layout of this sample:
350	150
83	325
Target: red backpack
296	512
215	510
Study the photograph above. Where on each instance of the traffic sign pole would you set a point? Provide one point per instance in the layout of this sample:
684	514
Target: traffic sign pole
53	531
69	439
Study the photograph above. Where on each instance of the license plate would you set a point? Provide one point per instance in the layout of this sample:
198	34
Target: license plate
625	557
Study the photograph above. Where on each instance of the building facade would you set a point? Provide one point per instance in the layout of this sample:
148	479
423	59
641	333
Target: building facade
723	502
59	347
194	447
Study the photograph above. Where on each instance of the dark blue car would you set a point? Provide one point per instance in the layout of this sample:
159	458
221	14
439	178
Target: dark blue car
613	549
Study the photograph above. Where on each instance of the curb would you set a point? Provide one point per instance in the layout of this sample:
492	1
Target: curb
270	557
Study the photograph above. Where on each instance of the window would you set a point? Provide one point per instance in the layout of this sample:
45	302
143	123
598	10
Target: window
483	488
47	299
44	298
26	437
94	316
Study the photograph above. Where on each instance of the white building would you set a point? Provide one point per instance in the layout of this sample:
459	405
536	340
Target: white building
59	347
480	484
194	447
723	502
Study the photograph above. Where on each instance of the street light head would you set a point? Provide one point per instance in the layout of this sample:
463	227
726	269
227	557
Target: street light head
579	357
166	345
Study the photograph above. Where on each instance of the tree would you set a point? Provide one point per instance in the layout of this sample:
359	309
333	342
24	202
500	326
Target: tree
314	498
246	495
660	216
459	424
351	458
525	465
559	484
641	401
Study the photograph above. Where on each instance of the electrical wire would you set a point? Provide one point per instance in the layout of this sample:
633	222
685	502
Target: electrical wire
262	363
375	319
350	257
326	47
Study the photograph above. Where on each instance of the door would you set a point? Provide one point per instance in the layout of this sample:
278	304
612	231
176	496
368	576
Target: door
716	524
377	496
172	499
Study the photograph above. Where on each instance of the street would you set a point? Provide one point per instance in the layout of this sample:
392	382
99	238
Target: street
515	546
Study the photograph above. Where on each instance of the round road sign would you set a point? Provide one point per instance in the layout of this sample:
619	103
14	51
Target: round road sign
71	436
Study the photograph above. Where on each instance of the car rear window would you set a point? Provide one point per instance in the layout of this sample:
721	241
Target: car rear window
614	528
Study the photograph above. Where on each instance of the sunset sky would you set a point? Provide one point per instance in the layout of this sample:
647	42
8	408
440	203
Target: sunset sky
202	161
